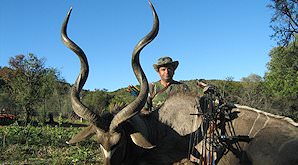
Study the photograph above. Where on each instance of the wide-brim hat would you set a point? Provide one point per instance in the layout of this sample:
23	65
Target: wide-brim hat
165	61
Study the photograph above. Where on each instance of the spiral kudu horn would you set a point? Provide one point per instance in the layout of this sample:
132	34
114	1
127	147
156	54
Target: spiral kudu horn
130	110
79	108
135	106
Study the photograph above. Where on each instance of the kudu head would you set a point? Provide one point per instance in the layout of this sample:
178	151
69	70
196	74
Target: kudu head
107	128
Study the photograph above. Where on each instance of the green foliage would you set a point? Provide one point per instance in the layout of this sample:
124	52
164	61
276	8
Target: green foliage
194	89
7	104
282	76
2	83
45	145
253	92
30	84
229	89
97	100
252	78
281	80
122	96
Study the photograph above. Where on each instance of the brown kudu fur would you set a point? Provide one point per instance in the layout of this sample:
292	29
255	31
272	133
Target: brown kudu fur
274	138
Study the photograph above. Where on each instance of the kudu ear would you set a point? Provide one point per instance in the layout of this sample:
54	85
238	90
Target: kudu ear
140	140
83	135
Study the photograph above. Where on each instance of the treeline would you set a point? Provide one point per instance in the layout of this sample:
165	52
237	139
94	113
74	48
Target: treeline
29	90
33	92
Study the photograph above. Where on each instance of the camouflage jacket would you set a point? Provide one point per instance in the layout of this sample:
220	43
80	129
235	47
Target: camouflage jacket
158	94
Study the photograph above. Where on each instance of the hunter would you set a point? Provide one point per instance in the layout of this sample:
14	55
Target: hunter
159	91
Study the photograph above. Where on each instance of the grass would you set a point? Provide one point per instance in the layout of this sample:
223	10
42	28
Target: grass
45	145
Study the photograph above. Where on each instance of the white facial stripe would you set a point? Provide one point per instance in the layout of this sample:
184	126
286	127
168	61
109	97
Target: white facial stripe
106	153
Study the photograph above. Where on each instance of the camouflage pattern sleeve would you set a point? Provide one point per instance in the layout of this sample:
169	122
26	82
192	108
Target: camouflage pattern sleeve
148	105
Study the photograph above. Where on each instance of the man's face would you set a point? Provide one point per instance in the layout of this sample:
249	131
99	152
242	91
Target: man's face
166	73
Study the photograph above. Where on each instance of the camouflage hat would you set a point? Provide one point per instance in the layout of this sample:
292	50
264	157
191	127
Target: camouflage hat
165	61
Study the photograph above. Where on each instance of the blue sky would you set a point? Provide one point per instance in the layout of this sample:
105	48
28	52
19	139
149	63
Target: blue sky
211	39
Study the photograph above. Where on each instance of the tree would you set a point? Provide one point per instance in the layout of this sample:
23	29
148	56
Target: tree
6	74
251	78
252	93
284	21
281	80
51	92
282	75
32	83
